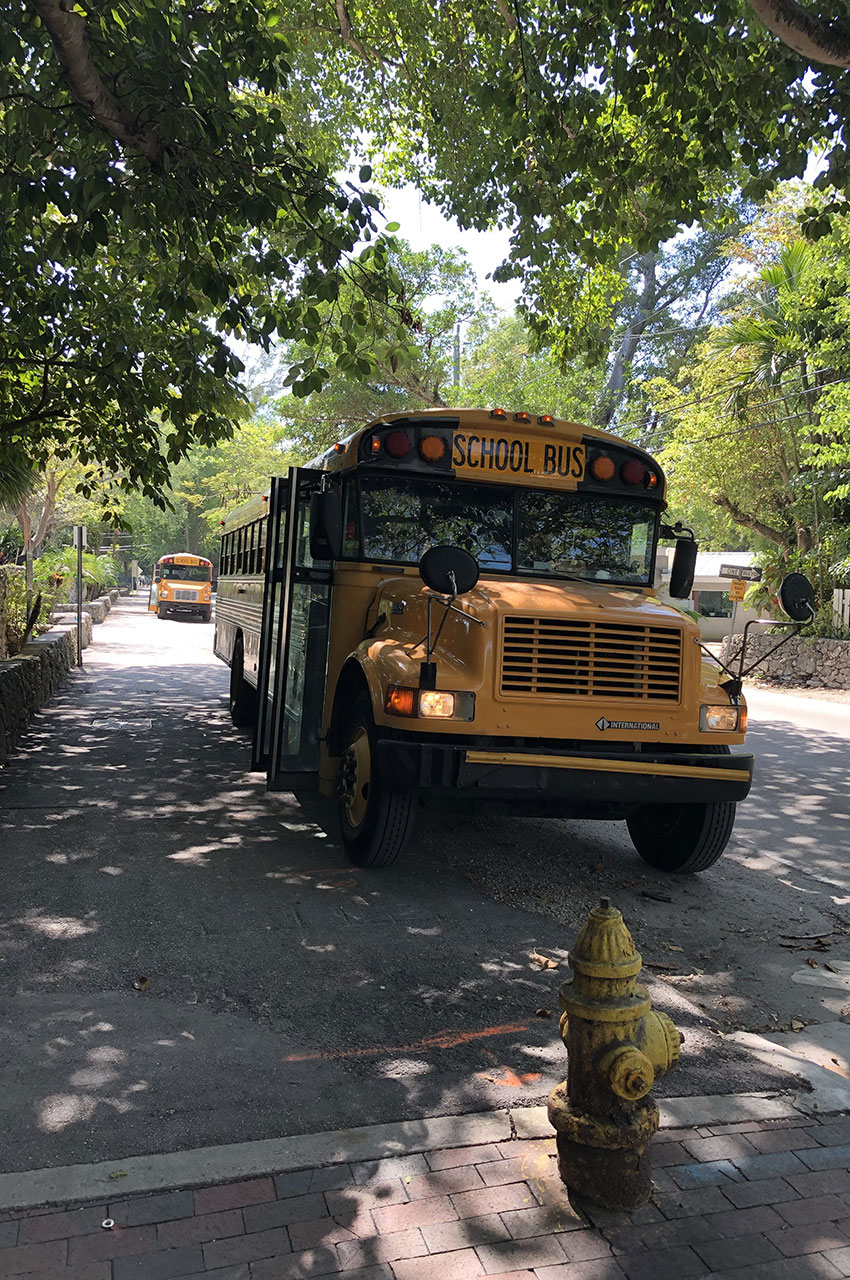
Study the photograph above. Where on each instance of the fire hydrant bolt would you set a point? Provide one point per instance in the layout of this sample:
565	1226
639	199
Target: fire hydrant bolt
617	1046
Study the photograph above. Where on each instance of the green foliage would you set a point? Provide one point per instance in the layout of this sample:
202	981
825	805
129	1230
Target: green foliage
505	365
436	290
185	202
584	127
54	574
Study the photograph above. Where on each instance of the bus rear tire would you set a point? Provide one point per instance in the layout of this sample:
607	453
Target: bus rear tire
682	838
243	701
375	820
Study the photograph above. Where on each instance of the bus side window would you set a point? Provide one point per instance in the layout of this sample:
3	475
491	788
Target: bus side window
249	548
225	552
240	551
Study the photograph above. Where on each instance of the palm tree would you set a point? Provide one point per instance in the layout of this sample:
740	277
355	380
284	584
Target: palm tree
766	352
17	478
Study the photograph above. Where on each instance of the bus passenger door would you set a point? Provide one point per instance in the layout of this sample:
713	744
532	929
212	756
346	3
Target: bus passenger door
270	634
296	686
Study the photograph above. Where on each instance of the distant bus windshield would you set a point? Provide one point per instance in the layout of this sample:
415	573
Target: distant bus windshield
185	572
532	532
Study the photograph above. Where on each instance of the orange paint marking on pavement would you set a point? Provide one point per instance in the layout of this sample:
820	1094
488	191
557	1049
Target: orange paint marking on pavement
509	1077
442	1040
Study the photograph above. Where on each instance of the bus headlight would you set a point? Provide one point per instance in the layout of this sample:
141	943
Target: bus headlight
429	704
439	705
726	719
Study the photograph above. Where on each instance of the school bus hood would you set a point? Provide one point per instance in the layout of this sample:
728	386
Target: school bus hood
615	603
400	609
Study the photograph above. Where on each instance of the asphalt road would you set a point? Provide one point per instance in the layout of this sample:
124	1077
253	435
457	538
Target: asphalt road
285	992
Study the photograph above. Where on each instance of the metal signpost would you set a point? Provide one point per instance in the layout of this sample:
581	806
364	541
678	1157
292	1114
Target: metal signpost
79	543
740	574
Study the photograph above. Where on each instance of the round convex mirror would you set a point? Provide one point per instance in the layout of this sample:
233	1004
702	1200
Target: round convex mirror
449	570
797	597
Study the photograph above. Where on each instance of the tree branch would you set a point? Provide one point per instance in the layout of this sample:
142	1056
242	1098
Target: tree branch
818	41
67	30
347	32
510	18
751	522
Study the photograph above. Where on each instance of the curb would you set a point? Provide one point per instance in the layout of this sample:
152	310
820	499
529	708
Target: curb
206	1166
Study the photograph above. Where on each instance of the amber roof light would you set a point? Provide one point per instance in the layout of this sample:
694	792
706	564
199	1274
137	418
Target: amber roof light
602	467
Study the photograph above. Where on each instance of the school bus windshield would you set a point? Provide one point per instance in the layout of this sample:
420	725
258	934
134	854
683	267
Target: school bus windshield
521	531
185	572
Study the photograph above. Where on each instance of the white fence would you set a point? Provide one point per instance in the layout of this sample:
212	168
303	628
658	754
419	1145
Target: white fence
841	605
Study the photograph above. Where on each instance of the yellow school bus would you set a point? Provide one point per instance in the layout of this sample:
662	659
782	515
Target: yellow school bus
458	609
181	583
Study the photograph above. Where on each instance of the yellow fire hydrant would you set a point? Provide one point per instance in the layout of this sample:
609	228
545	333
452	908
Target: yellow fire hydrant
617	1046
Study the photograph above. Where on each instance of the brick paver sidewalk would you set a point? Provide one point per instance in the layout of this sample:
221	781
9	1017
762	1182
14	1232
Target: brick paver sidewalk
763	1200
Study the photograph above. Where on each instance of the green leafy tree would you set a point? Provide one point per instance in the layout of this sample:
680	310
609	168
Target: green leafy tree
589	130
436	289
159	191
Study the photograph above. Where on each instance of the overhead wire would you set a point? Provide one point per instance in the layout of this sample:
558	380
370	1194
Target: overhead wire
754	426
791	387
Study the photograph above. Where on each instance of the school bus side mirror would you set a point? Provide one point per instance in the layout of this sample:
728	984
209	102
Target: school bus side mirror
325	525
449	570
684	567
158	579
797	597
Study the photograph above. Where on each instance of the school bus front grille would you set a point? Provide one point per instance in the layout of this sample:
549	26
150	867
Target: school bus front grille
577	658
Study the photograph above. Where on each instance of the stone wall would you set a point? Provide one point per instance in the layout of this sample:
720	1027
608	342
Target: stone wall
4	587
819	663
70	620
28	681
94	608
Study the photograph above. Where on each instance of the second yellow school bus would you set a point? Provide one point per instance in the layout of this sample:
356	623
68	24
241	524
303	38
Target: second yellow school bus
181	583
458	609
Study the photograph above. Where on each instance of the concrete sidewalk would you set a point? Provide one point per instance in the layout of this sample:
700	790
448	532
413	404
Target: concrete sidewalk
763	1198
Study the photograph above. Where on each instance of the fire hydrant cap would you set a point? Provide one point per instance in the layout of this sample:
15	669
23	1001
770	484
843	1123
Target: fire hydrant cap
604	948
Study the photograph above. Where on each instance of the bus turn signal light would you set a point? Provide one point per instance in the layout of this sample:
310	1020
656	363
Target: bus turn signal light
432	448
602	467
400	702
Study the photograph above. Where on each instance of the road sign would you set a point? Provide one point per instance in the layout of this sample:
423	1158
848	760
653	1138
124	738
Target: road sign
737	589
748	573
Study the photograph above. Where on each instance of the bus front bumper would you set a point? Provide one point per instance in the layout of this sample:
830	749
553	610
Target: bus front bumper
576	779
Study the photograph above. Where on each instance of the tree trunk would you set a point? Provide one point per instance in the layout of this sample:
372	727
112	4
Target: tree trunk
616	384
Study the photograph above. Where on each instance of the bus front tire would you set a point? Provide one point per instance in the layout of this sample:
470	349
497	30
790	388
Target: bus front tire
375	820
681	838
243	702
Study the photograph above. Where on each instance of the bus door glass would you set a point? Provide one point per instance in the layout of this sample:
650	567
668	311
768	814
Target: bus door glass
302	615
270	633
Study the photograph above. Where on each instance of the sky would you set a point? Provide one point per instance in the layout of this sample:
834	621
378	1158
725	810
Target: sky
423	224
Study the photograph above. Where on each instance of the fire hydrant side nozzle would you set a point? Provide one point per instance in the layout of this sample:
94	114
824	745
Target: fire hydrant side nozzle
617	1047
